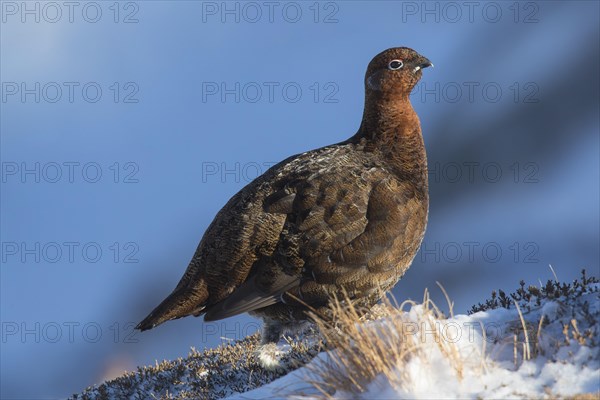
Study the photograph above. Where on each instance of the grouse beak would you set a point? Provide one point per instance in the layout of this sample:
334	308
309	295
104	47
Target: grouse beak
422	63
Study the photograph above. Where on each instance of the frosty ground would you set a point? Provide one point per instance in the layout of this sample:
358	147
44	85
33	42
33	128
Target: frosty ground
538	342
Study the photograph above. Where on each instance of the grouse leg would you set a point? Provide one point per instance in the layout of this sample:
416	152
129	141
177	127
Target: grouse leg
268	353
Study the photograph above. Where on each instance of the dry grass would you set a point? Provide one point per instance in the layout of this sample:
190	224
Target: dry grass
526	346
585	396
579	396
362	352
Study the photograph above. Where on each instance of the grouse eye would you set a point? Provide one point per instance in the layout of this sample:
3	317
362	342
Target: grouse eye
395	64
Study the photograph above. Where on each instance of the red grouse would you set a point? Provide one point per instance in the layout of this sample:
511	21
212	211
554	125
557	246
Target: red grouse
343	220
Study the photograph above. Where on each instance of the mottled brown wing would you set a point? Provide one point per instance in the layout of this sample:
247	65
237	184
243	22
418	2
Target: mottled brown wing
241	233
244	235
337	224
317	218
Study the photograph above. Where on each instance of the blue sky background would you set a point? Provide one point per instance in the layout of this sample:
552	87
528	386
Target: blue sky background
181	152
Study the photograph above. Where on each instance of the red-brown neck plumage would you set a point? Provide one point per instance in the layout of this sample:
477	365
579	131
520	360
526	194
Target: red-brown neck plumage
391	127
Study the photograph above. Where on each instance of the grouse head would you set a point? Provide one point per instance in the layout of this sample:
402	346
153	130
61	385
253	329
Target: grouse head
395	71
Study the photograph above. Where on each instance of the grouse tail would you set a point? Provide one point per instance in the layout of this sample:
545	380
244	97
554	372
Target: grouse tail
178	304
